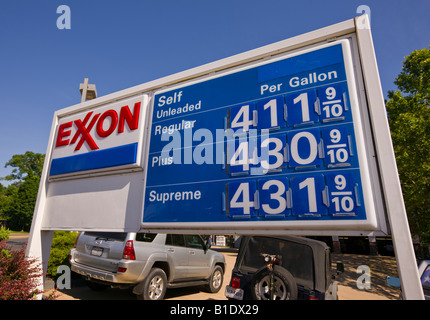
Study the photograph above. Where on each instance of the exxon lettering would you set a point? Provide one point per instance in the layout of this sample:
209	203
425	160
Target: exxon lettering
84	126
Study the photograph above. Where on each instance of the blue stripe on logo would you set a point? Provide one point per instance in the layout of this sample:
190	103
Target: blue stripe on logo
107	158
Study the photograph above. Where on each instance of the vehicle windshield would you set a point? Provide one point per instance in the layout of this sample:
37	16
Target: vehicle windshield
296	258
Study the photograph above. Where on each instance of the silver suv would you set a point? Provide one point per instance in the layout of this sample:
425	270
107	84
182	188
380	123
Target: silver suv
148	262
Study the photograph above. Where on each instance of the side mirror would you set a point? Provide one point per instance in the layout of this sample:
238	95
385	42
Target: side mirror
207	245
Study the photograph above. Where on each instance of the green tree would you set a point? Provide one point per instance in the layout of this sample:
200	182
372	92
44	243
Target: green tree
2	199
7	196
25	165
20	213
18	200
409	117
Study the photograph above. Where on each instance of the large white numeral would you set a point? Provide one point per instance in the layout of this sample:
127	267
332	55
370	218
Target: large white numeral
236	159
303	99
273	112
246	203
278	196
246	121
313	148
274	152
309	183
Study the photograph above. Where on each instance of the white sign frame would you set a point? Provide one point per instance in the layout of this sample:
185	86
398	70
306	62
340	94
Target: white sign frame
303	227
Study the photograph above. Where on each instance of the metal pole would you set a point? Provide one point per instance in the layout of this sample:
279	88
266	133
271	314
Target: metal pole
396	212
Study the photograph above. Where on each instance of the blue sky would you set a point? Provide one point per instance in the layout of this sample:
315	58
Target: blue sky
120	44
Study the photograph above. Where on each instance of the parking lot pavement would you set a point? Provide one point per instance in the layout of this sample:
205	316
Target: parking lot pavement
379	267
17	240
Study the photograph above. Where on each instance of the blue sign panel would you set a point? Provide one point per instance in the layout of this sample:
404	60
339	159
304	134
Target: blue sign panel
275	142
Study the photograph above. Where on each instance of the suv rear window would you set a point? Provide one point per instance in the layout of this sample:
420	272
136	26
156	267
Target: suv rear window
145	237
119	236
296	258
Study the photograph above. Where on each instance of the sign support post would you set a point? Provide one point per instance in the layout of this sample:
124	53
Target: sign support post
396	212
39	240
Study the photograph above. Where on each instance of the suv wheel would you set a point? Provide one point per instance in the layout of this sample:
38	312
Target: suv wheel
285	287
215	281
155	285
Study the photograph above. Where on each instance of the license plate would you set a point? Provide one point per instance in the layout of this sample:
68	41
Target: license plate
234	293
96	251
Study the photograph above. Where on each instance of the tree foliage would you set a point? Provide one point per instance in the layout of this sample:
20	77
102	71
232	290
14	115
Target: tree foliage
62	242
409	116
17	201
21	210
25	165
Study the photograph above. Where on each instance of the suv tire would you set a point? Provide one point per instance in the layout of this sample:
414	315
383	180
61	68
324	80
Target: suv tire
215	280
154	285
285	284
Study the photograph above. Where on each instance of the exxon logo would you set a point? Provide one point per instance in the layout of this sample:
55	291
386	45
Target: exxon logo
105	124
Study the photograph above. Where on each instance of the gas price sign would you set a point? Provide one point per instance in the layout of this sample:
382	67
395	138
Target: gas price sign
278	144
289	138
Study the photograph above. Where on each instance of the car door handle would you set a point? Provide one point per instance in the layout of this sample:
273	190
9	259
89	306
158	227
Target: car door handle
171	250
192	252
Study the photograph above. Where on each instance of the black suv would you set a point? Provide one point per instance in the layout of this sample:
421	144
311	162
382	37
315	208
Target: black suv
302	269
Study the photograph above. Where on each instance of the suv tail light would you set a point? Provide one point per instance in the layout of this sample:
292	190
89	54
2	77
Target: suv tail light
235	282
76	240
129	251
